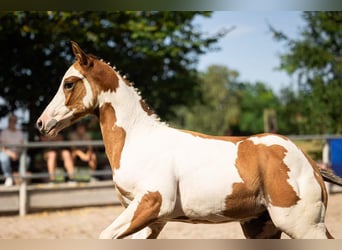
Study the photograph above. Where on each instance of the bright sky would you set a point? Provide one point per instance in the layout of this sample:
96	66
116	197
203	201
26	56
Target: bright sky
250	48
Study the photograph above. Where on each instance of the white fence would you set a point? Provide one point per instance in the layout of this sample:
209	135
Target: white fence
26	196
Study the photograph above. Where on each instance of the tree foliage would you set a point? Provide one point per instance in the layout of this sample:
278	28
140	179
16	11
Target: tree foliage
217	109
158	51
316	60
228	106
256	99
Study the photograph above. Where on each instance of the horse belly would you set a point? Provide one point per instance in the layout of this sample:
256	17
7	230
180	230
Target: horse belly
218	204
203	195
208	192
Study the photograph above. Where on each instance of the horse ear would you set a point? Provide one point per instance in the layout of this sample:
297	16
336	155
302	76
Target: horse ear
80	55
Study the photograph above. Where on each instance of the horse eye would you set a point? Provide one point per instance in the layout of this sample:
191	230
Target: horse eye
68	85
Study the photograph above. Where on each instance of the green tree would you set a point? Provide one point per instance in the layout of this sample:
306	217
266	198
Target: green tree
218	108
316	60
255	99
228	105
158	51
291	120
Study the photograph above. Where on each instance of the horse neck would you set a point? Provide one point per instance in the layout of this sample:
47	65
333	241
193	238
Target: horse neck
128	110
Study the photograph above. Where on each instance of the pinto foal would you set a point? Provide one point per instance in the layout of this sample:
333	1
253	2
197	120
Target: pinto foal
164	174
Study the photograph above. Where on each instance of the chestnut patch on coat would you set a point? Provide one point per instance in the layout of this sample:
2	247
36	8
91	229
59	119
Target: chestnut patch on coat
74	97
263	166
113	135
100	74
275	176
128	83
243	202
146	108
264	174
146	212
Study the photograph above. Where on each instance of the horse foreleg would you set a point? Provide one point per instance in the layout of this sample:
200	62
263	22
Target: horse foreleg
141	212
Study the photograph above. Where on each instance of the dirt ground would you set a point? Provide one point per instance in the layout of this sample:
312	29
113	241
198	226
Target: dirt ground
87	223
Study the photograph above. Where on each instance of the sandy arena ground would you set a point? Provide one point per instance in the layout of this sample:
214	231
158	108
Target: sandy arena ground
87	223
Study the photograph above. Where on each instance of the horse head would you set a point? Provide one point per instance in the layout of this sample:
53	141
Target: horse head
78	92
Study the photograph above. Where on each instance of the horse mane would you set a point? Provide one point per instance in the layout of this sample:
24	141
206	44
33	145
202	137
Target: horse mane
147	108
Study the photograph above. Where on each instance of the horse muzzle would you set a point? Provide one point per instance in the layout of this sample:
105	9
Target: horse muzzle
47	128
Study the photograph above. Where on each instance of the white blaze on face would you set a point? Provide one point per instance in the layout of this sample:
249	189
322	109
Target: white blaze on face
57	115
88	98
56	108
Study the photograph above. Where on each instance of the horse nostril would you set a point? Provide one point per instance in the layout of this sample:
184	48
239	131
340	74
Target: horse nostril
39	124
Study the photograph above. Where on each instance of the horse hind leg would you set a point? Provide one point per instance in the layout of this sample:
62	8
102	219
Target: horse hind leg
299	222
261	227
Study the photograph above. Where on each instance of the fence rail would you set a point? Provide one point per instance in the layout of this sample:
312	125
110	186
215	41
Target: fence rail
23	176
314	137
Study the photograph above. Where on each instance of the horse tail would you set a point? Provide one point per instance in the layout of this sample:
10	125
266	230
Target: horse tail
330	176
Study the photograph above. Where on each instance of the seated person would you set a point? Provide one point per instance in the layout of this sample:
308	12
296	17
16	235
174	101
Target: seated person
51	155
11	135
84	153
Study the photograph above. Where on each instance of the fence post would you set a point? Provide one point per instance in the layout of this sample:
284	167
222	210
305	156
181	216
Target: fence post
325	154
326	162
23	183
